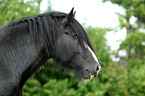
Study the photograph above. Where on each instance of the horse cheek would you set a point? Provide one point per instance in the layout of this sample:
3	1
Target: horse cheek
64	51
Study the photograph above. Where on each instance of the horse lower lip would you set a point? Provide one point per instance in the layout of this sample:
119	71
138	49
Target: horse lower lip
92	76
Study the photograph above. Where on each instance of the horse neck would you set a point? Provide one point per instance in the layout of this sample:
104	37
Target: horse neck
19	52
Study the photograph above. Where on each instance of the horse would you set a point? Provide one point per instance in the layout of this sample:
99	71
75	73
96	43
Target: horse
27	43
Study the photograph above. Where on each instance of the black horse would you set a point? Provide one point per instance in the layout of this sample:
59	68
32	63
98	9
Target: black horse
27	43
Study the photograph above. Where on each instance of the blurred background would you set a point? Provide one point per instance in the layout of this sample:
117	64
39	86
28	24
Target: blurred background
117	31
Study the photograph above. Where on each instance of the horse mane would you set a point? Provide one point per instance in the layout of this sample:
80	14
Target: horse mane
47	24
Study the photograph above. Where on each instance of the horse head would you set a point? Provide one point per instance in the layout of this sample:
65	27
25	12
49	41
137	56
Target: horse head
74	50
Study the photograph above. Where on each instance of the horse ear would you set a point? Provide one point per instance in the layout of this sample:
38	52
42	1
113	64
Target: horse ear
74	14
71	15
71	12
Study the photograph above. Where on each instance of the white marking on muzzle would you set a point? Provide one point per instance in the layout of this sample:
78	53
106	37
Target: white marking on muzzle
93	54
95	58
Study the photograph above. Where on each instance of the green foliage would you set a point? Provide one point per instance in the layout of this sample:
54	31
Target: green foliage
32	88
16	9
53	87
59	88
135	8
121	20
134	46
134	39
134	42
135	63
136	82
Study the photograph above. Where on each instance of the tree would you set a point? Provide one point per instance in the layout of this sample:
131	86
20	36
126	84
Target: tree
16	9
133	44
133	8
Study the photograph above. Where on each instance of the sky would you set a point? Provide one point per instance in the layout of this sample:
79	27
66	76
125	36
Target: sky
94	13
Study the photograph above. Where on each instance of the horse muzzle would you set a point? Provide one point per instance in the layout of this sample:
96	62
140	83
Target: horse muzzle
98	70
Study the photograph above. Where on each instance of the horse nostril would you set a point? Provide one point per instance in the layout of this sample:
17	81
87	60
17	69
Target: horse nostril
87	70
97	68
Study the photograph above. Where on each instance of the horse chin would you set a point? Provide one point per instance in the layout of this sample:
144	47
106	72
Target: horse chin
86	78
80	74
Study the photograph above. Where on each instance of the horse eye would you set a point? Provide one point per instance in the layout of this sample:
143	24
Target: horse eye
74	36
